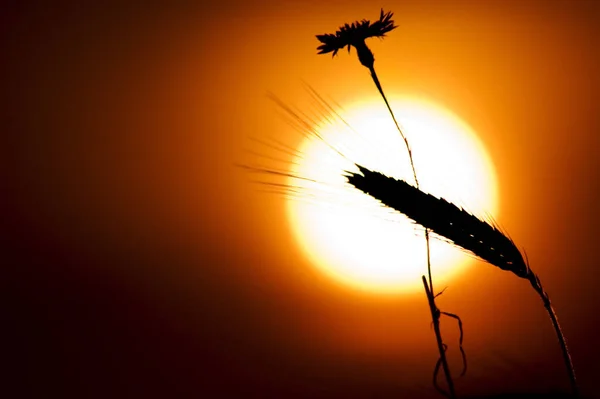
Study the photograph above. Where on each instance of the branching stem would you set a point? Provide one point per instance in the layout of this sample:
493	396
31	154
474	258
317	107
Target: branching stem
435	317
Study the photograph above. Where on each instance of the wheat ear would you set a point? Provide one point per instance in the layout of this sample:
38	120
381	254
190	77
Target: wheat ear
461	228
443	218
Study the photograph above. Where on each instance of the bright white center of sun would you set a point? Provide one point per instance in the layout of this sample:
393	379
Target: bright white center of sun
357	241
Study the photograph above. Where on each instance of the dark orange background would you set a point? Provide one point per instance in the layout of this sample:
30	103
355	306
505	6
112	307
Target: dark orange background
140	262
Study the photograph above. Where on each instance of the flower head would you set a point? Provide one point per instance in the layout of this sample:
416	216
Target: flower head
356	33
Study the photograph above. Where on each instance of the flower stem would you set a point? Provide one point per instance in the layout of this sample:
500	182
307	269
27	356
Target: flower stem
410	157
412	164
435	312
435	316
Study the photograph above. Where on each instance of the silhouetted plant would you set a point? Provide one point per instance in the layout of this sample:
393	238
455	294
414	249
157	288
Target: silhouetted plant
461	228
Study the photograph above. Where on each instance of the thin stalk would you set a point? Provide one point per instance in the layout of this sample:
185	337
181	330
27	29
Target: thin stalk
435	313
410	157
412	164
537	286
435	316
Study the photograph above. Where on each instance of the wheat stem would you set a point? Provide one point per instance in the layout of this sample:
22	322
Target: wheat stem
537	286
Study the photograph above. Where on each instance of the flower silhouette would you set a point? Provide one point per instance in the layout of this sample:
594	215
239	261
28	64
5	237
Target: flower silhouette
355	35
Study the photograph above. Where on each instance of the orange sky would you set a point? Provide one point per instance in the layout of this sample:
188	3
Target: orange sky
143	262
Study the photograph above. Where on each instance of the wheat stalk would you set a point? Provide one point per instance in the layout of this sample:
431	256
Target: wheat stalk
461	228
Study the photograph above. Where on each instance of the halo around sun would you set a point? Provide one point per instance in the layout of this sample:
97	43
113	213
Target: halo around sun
350	236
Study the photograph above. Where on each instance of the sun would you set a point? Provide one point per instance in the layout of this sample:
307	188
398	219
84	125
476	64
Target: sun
354	239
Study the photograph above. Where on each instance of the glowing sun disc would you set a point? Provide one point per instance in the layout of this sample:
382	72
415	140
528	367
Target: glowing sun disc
353	238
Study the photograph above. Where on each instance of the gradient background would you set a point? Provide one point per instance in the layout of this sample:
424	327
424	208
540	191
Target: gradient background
139	262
